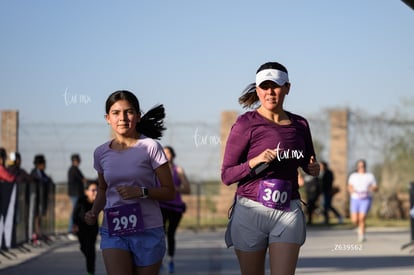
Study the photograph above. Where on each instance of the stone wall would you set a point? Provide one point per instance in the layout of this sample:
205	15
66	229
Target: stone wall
226	196
338	157
9	130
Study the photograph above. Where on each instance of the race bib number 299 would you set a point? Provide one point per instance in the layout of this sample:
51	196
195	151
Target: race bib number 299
275	193
124	220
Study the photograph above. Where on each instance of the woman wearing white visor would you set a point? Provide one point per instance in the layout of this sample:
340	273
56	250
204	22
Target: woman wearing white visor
264	150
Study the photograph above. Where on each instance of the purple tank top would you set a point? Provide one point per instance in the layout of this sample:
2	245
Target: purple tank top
177	203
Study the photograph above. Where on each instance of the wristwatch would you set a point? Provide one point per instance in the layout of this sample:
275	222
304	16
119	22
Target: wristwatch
144	192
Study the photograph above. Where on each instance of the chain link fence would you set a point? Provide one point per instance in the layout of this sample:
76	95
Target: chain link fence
198	147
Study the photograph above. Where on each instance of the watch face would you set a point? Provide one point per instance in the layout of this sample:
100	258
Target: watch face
144	192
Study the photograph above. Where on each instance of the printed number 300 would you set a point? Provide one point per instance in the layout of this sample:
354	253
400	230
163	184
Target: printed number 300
125	222
275	195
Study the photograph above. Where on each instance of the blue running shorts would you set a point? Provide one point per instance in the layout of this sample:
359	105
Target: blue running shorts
147	247
360	205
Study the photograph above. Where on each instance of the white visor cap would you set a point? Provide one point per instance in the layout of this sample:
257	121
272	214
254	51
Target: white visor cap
279	77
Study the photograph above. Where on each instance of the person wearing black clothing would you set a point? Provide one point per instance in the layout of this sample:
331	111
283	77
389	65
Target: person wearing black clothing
7	185
15	168
76	185
5	174
87	234
313	190
43	184
327	177
23	183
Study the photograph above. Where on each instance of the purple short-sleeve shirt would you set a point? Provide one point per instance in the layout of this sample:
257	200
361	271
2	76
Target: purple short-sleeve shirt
134	166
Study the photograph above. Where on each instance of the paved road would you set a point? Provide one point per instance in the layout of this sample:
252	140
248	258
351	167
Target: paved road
326	251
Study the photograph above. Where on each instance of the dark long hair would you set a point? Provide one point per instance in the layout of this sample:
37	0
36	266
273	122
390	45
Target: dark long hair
3	156
249	98
152	122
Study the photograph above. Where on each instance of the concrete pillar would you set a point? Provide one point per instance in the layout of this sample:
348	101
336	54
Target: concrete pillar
226	192
9	130
339	157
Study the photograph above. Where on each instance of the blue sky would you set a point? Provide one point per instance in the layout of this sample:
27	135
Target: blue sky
59	60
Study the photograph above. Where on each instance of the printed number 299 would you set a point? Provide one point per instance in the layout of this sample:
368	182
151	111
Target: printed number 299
275	195
125	222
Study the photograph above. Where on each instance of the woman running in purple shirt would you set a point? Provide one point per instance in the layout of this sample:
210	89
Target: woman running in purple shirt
172	211
133	175
264	150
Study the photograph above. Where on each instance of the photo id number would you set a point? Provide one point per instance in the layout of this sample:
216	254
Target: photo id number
347	247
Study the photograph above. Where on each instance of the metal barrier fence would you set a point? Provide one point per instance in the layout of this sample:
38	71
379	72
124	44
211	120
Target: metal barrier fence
25	209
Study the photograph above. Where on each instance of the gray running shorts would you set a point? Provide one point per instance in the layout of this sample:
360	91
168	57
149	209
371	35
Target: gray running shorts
253	226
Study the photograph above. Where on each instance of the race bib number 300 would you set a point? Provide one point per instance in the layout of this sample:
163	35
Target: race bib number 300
124	220
275	193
